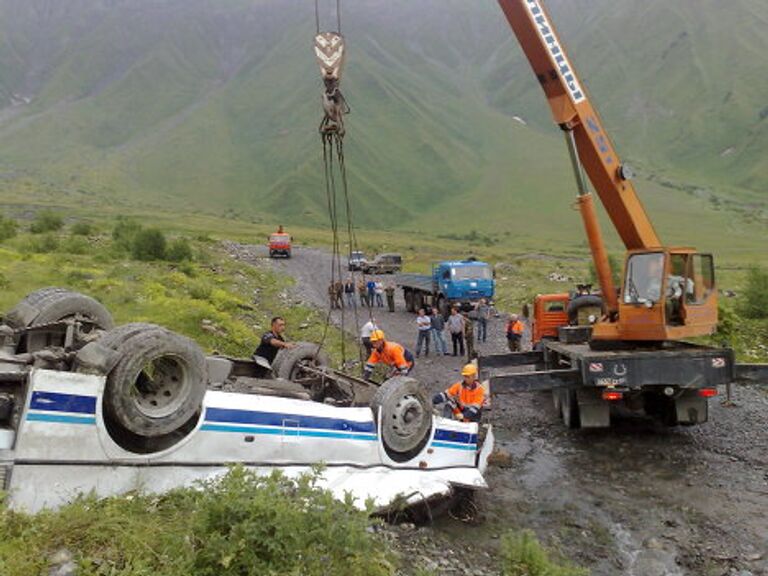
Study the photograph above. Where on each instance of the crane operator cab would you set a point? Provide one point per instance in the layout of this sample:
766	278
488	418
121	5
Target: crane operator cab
668	294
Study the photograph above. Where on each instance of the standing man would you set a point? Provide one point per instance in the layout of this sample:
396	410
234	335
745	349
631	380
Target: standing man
365	334
338	290
272	342
361	290
456	328
349	292
390	291
379	291
391	354
332	295
438	325
424	324
469	336
465	399
371	292
483	314
515	330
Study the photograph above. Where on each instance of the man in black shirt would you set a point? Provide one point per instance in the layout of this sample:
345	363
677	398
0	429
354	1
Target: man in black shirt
273	341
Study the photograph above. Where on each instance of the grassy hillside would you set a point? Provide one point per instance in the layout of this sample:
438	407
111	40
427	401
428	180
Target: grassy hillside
212	108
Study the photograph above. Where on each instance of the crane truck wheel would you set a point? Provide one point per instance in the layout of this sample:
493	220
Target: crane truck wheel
587	305
409	300
49	305
157	385
405	415
569	408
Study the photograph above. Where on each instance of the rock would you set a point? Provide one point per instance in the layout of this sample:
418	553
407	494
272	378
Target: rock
652	544
500	458
754	557
62	564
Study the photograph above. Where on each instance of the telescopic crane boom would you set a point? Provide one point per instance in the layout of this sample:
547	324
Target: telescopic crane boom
667	293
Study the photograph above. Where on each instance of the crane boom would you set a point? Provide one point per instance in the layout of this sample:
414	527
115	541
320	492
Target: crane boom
573	112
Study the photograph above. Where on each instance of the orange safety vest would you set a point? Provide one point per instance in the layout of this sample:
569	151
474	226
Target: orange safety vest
516	327
393	354
464	396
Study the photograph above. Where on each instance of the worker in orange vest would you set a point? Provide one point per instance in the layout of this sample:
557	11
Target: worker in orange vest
465	399
399	359
515	330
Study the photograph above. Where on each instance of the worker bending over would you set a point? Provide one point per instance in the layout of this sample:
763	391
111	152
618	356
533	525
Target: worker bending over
466	398
392	354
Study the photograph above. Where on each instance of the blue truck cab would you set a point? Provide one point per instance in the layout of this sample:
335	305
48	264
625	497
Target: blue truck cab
452	283
463	282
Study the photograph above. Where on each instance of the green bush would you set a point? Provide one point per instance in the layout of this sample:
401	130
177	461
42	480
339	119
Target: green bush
8	228
75	245
755	302
46	221
148	244
523	555
179	251
240	525
82	229
44	244
124	232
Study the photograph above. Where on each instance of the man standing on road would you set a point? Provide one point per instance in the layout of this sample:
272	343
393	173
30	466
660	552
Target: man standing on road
361	290
365	334
438	325
332	295
390	291
390	354
338	291
424	324
272	342
456	328
469	336
483	314
515	330
371	292
379	291
349	292
464	400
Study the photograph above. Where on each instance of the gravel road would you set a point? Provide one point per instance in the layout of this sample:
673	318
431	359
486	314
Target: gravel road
637	499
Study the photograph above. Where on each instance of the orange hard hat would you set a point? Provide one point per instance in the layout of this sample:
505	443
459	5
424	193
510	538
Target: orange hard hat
469	370
377	335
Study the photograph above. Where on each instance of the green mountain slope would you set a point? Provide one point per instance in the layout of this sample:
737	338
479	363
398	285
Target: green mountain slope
213	106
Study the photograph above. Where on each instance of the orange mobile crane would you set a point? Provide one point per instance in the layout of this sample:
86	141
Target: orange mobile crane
634	353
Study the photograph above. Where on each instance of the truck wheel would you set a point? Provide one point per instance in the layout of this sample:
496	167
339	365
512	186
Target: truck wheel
569	406
580	302
289	362
158	384
418	301
50	305
443	308
406	417
408	300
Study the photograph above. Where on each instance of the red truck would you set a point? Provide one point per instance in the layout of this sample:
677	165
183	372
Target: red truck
280	244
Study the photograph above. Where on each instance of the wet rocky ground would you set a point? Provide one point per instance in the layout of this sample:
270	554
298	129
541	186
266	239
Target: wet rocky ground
637	499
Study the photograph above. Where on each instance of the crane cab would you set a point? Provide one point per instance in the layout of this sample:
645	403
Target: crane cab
667	294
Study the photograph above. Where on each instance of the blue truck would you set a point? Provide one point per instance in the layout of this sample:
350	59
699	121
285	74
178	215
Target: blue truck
452	283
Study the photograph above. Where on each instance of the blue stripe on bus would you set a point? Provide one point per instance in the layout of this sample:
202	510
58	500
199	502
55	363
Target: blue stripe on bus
288	431
231	416
454	446
57	402
454	436
60	418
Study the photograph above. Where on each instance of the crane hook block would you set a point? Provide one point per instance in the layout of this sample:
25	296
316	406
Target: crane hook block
331	54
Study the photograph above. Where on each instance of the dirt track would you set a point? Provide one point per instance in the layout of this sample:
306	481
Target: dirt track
637	499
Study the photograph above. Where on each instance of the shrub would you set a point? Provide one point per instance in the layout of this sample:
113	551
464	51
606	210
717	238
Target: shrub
46	221
179	251
8	228
523	555
124	232
75	245
148	244
755	302
44	244
82	229
240	525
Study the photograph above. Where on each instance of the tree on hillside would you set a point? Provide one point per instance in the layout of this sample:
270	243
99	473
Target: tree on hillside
148	244
755	303
46	221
